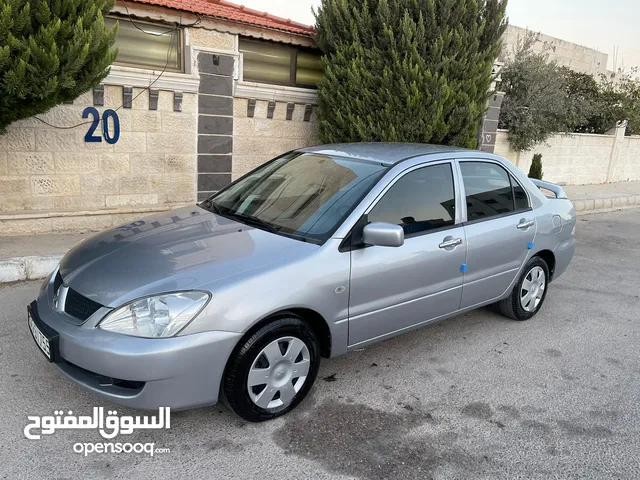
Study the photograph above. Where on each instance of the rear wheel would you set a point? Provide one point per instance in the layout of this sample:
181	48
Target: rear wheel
529	293
271	372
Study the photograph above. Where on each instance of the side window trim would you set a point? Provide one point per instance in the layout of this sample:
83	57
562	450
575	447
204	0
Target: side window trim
457	221
463	193
346	244
526	192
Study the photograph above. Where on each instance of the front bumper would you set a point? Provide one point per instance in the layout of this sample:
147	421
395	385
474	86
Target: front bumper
179	372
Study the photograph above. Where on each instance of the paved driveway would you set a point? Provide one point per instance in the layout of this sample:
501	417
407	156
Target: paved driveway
478	396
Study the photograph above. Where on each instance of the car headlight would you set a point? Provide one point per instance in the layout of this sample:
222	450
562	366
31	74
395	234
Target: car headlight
159	316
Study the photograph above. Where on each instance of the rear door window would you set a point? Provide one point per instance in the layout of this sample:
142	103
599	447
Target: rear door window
491	191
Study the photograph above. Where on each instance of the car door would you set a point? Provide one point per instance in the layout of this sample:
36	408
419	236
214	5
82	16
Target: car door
500	229
392	289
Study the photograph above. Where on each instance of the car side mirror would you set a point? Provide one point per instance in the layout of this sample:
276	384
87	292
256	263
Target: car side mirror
382	234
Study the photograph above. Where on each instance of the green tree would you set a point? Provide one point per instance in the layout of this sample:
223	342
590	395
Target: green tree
620	100
50	52
583	102
535	171
407	70
534	107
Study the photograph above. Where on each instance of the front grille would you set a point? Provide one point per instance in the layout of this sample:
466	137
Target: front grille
57	282
79	306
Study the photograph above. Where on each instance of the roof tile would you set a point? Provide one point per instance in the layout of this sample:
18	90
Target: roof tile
233	12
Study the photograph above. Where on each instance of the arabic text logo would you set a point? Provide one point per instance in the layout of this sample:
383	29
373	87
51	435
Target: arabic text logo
109	426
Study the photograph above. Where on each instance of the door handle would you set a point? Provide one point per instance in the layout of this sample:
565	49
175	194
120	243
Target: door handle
452	242
523	225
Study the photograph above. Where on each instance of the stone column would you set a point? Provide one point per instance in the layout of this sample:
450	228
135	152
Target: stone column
619	131
489	128
215	123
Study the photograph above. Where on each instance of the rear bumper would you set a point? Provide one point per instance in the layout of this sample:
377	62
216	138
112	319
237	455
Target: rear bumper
179	372
564	254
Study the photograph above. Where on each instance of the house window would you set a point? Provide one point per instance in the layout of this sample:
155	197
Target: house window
279	64
153	46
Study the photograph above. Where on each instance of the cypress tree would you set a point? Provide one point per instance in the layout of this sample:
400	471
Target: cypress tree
407	70
535	171
51	52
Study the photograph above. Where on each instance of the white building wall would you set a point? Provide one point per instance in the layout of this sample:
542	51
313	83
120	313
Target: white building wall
577	57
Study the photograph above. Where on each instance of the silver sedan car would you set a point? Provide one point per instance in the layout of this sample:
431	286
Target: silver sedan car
318	252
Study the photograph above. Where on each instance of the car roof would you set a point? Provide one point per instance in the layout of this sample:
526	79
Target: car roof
386	153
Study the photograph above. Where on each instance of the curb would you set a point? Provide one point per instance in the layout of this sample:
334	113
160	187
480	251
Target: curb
602	205
36	267
27	268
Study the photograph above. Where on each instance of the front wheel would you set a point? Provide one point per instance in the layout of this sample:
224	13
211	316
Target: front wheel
270	373
529	293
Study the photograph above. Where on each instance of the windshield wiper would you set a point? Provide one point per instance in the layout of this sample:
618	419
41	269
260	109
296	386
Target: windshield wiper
253	221
210	206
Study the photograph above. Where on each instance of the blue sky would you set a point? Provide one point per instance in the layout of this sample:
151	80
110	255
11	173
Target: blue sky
597	24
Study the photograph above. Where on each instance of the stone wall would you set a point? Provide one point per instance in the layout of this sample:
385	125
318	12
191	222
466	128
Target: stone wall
627	168
178	141
46	172
258	139
580	159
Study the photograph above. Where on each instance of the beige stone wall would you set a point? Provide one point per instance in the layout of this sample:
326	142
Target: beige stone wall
49	171
203	37
51	180
627	168
575	159
577	57
259	139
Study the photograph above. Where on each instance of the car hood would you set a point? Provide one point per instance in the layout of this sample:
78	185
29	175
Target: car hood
182	249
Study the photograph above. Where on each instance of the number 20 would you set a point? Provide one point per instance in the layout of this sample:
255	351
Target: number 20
90	137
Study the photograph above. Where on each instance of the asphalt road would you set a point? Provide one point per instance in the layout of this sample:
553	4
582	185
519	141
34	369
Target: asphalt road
477	396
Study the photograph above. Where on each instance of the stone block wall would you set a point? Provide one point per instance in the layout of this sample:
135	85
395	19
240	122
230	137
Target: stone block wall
627	168
580	159
169	152
45	169
258	139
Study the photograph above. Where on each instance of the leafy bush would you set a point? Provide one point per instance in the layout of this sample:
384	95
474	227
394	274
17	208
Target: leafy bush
543	99
620	100
534	106
535	171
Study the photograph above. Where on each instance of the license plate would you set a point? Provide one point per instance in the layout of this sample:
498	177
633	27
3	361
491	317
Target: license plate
43	342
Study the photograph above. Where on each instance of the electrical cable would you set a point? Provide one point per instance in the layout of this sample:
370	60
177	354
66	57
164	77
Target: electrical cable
166	65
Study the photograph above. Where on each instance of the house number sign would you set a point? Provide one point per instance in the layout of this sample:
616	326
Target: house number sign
107	130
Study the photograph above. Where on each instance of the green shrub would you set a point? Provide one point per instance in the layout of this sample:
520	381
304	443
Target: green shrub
407	70
51	52
536	167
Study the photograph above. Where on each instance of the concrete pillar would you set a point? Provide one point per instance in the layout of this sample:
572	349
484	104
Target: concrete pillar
619	131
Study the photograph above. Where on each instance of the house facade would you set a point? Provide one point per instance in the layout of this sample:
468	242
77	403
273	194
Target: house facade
200	94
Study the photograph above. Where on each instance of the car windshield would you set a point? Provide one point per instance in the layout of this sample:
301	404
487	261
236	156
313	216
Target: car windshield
302	195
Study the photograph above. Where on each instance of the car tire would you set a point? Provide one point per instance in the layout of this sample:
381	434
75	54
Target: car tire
276	353
534	281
